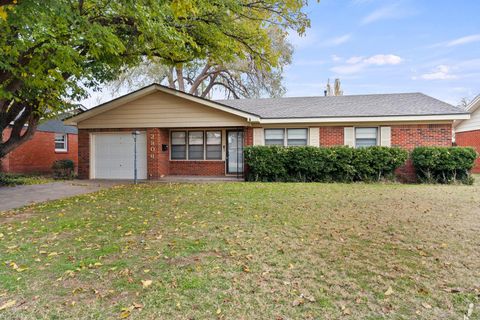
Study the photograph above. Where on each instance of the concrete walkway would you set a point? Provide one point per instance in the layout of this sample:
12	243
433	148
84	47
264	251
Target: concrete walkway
19	196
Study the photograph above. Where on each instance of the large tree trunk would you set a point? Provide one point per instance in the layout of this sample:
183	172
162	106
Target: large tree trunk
21	130
180	80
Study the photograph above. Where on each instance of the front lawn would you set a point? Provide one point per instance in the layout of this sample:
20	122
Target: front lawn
246	251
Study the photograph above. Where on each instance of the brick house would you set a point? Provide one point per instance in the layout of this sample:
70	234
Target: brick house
181	134
52	141
467	131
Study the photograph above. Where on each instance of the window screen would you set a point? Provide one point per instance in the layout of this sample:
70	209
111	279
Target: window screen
179	149
366	137
274	137
195	145
297	137
214	145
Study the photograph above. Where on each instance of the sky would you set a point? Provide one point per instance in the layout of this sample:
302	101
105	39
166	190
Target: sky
384	46
380	46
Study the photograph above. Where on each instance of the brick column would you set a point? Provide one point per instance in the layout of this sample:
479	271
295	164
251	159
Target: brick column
248	136
83	154
157	160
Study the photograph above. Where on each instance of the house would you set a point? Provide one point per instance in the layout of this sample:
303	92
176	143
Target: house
52	141
181	134
467	131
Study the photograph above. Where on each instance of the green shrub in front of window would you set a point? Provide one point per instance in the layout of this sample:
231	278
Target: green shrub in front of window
444	164
307	163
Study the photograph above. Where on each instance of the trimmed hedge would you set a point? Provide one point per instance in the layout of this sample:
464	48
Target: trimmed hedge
63	169
306	163
444	164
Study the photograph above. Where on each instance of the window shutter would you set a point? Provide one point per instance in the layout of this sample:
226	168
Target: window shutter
386	136
258	139
314	138
349	136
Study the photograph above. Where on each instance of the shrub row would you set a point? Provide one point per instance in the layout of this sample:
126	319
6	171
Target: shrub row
306	163
63	169
444	165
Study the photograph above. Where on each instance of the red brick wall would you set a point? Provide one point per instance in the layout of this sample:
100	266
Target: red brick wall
248	137
411	136
470	139
331	136
38	154
157	160
197	168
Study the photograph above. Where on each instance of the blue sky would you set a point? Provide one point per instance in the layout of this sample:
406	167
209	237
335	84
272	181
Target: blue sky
379	46
384	46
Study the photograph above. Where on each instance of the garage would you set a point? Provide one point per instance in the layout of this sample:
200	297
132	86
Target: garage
113	156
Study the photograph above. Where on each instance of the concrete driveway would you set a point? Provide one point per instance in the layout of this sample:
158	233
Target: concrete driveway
19	196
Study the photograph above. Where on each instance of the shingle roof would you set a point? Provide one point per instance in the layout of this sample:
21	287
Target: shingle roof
371	105
56	126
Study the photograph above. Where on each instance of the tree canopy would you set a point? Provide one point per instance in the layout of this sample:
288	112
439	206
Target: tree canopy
52	51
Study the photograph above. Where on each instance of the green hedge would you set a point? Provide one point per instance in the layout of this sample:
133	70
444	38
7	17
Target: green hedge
342	164
444	164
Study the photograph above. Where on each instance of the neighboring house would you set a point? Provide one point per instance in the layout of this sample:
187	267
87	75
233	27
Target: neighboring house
52	141
181	134
467	131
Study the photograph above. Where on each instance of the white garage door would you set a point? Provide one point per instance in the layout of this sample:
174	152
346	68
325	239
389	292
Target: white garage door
113	156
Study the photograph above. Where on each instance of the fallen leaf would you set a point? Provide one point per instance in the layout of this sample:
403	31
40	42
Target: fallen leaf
297	302
146	283
389	291
7	305
245	268
426	305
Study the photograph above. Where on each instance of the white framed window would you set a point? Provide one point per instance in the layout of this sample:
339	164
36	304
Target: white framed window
195	145
274	137
286	137
297	137
61	142
214	145
179	145
366	137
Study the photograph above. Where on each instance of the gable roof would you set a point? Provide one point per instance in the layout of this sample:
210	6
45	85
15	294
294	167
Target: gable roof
350	108
472	107
371	105
155	87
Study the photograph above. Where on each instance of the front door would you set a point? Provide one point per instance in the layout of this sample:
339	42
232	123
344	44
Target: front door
234	151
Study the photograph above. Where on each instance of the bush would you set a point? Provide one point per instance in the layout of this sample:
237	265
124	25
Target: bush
444	164
306	163
63	169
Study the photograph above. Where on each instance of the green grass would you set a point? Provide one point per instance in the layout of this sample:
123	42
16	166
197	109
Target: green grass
14	179
245	251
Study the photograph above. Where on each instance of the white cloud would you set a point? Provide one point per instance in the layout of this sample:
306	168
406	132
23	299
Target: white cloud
357	63
392	11
336	58
441	72
338	40
383	59
464	40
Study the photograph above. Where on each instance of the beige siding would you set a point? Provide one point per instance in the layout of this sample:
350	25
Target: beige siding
258	137
162	110
349	136
470	124
314	137
386	136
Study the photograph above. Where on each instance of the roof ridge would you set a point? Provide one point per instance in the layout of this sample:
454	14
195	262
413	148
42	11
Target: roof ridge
347	95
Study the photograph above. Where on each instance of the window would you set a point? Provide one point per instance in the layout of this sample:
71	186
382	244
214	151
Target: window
179	145
214	145
61	142
297	137
274	137
195	145
366	137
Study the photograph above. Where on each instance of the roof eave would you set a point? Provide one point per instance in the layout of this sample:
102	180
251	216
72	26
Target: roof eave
440	117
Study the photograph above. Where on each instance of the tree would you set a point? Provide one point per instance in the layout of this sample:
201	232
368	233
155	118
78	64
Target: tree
240	78
337	89
52	51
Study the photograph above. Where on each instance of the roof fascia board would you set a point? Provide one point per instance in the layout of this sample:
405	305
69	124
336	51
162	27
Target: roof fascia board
368	119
